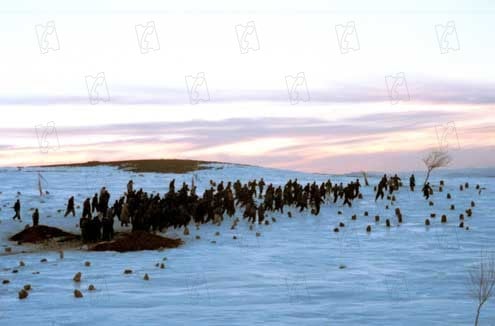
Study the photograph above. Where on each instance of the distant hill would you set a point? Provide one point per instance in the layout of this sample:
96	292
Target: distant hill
140	166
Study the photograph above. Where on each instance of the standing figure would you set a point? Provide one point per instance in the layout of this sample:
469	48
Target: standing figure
36	217
412	182
94	203
70	207
427	190
87	208
381	186
261	185
17	209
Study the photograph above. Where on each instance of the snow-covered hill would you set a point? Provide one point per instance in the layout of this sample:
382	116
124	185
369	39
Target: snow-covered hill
292	274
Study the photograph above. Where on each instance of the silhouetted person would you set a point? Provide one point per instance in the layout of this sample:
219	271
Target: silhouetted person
107	224
357	186
84	224
70	207
86	208
94	203
261	185
427	190
412	182
381	186
36	217
395	182
17	209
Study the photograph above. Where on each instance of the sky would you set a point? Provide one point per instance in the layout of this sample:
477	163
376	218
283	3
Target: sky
317	86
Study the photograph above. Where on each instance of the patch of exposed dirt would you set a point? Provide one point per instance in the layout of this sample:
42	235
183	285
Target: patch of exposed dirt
41	233
136	241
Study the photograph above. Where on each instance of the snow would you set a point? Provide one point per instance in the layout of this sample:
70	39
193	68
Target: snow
290	275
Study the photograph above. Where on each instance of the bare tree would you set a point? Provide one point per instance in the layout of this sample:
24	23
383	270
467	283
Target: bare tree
436	159
365	178
482	281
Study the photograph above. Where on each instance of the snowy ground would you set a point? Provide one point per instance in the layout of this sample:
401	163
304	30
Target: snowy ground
406	275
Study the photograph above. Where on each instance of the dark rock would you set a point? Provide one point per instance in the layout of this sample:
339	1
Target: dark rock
23	294
77	277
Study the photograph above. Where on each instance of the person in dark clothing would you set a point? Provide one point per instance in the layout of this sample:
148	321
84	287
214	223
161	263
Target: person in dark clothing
17	209
94	203
36	217
317	201
395	182
95	228
385	182
103	201
130	187
107	224
335	193
357	186
85	228
427	190
261	213
348	194
381	186
87	208
70	207
412	182
261	185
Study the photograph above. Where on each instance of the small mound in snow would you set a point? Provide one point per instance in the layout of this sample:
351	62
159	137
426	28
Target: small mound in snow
41	233
136	241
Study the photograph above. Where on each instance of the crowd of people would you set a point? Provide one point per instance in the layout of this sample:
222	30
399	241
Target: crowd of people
177	208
